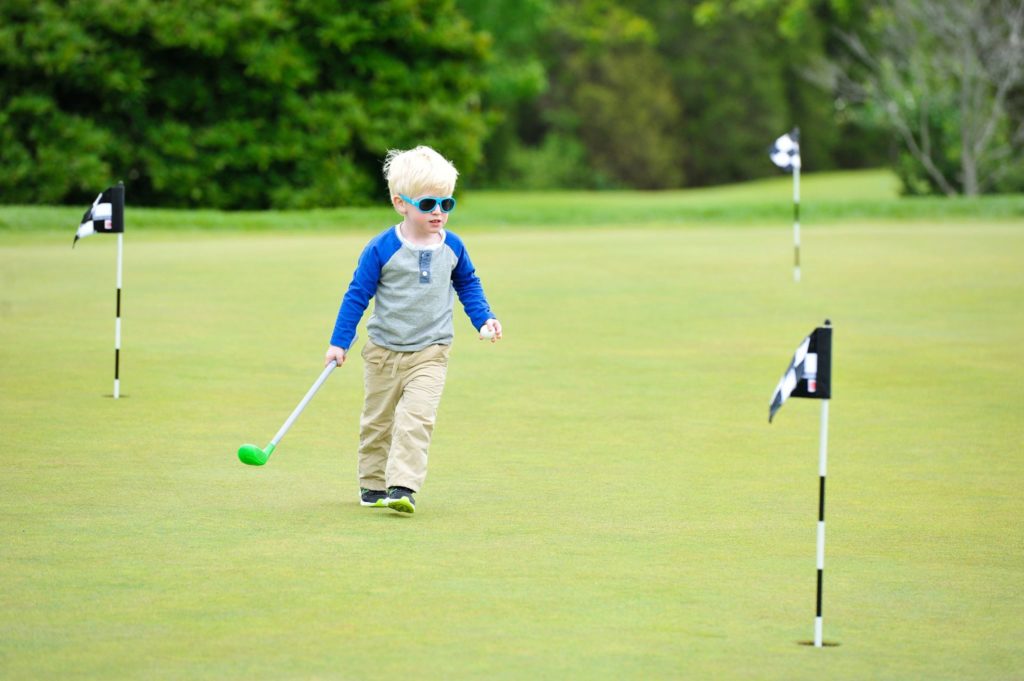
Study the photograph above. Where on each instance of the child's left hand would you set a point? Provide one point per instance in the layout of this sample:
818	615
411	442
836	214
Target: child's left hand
495	327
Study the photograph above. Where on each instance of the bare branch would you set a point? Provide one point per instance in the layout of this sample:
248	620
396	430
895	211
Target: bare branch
936	66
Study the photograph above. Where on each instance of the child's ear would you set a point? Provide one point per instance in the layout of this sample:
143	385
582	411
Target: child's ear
398	204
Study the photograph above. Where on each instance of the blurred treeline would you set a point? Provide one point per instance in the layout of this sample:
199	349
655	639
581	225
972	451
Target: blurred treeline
653	94
293	103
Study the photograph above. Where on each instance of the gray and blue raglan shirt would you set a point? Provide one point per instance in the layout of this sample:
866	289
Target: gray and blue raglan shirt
414	289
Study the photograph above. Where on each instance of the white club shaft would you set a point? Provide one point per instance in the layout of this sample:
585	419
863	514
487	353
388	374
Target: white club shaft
305	400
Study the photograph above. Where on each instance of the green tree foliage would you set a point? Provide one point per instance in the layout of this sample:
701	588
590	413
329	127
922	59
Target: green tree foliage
516	77
657	93
293	103
604	113
942	76
744	69
611	90
230	103
734	98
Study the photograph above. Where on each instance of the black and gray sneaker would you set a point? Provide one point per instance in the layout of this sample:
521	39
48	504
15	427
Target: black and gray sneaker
400	499
372	497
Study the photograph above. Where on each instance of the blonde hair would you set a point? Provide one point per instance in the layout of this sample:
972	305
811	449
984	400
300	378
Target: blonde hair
419	171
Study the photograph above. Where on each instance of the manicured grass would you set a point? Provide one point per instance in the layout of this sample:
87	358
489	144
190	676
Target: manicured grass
825	198
606	499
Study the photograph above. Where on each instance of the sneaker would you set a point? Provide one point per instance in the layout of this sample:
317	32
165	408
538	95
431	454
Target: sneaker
400	499
372	497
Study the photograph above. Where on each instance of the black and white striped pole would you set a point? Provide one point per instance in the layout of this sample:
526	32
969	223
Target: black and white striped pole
106	216
809	375
796	212
822	468
117	320
785	153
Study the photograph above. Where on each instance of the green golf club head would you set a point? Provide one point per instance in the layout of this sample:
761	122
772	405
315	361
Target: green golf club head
253	455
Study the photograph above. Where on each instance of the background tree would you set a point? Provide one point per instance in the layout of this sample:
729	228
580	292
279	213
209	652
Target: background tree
515	78
943	75
235	104
584	99
688	91
727	72
611	91
293	103
742	67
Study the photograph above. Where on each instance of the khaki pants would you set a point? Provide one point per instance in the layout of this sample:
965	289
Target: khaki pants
403	391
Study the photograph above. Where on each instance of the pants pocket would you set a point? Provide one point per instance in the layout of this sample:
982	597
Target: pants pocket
371	351
440	353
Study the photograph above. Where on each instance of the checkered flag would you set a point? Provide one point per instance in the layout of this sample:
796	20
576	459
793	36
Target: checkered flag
785	153
809	373
105	215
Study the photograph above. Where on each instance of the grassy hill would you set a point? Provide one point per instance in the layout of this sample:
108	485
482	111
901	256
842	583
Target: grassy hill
825	198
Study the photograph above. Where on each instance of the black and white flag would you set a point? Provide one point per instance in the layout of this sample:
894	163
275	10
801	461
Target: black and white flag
105	215
809	373
785	153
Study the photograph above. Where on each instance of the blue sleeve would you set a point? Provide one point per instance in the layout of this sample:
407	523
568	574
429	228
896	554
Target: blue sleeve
468	286
357	297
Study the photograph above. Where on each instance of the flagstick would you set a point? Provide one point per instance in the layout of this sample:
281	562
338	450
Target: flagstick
796	222
823	457
117	320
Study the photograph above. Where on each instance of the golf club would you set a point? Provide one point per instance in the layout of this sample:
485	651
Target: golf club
253	455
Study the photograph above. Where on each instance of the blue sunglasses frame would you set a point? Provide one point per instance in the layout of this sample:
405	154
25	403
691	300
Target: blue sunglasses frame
437	201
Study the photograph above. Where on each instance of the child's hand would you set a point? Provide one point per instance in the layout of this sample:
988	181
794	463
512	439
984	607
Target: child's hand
335	353
491	330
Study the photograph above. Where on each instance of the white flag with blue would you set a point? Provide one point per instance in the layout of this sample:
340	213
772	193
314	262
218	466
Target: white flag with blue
785	153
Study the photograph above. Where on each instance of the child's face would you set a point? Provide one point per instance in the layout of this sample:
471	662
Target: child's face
431	222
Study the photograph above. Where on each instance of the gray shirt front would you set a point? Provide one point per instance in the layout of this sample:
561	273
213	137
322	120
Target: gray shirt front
414	290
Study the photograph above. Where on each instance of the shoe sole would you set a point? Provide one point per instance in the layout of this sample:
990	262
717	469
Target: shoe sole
380	503
402	505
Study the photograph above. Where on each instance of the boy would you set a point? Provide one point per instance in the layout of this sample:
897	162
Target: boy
413	271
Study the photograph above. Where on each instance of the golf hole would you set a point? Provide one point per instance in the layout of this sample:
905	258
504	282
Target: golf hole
824	644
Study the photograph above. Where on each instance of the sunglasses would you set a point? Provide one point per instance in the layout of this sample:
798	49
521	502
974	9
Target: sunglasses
428	203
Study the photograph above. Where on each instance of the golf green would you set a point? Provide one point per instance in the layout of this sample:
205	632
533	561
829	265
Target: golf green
606	498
